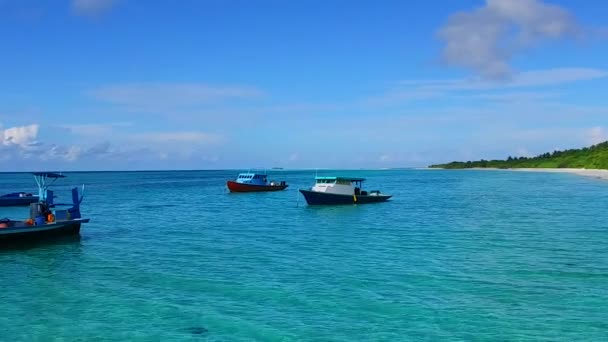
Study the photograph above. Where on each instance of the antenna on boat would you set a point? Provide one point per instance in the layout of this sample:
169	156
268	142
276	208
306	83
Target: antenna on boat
82	195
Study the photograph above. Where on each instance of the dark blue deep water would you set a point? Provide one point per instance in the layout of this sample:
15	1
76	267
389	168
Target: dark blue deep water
455	255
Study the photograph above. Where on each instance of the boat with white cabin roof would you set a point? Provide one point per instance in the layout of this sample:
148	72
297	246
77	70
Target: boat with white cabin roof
254	182
341	190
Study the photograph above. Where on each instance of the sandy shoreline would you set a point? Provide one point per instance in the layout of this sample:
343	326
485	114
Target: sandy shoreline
596	173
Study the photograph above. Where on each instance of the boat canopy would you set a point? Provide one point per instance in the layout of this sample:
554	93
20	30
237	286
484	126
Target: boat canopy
44	194
349	179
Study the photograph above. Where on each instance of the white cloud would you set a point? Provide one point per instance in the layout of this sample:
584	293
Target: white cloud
403	95
58	152
485	39
20	144
212	159
21	136
558	76
527	79
100	149
385	158
91	7
93	130
410	90
539	140
596	135
523	152
169	96
514	97
179	137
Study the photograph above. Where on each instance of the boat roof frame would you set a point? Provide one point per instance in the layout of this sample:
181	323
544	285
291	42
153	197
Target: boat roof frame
41	180
350	179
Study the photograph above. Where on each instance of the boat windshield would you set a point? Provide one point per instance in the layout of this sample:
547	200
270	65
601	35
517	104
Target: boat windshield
338	180
252	176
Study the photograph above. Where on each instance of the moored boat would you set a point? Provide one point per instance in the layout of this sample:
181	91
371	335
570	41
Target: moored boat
341	190
25	230
254	182
17	199
46	218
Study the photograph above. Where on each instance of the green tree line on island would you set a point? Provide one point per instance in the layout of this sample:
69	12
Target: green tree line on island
593	157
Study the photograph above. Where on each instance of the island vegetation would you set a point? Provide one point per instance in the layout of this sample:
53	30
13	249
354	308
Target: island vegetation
593	157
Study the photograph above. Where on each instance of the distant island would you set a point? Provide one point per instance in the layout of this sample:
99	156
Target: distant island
593	157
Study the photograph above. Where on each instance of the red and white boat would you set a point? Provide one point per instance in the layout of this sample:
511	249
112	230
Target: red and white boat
254	182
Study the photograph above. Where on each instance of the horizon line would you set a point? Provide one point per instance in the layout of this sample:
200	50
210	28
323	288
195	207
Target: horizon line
228	169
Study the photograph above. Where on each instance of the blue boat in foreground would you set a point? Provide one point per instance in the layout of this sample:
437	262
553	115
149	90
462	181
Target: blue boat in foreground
46	218
341	190
16	199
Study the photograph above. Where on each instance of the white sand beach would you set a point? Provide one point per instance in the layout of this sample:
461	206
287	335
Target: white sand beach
596	173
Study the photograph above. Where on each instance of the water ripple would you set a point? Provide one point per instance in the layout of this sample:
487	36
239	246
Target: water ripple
464	255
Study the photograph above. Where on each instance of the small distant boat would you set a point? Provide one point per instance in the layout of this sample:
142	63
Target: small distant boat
46	219
17	199
341	190
254	182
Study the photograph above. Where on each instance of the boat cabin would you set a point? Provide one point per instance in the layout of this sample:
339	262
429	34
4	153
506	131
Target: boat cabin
252	178
339	185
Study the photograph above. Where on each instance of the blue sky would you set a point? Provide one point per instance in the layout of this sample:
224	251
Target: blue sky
127	84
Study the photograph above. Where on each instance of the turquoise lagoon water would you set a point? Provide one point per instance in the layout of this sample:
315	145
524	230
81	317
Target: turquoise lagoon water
455	255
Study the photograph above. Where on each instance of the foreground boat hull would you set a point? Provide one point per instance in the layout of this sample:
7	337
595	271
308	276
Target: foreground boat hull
323	198
18	201
242	187
47	231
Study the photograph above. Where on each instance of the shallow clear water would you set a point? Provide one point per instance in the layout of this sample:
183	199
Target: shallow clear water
455	255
